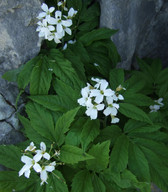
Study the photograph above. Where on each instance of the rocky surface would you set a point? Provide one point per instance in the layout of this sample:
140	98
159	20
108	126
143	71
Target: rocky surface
143	28
18	44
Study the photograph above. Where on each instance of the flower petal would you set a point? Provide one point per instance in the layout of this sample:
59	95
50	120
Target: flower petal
44	7
43	175
42	146
26	159
46	156
37	157
37	167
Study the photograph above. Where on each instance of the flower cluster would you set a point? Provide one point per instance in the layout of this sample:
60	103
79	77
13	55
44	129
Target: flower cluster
54	28
99	97
157	106
36	161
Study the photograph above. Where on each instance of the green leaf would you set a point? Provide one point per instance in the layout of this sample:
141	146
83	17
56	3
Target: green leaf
53	102
10	180
97	34
158	171
63	69
31	133
72	154
134	112
109	133
119	154
162	77
138	163
25	74
10	157
56	182
82	182
89	132
12	74
63	124
101	154
116	78
74	135
137	99
98	185
41	77
41	120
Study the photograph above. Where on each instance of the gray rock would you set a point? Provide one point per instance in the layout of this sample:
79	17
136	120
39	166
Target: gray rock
143	28
19	43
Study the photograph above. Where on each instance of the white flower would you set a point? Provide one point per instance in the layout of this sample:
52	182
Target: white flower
29	163
31	147
56	36
99	94
114	119
117	97
44	29
41	153
154	108
43	173
60	24
71	13
92	110
120	87
46	13
112	107
62	3
85	100
57	153
159	101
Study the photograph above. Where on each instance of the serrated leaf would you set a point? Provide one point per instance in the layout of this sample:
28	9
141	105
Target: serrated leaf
82	182
12	74
98	185
119	154
56	182
71	154
134	112
109	133
97	34
41	77
137	99
63	69
41	120
31	133
9	181
53	102
138	163
63	124
25	74
158	171
10	157
101	153
116	78
74	135
89	132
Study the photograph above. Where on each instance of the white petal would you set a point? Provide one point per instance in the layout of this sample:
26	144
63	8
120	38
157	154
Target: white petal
46	156
59	28
116	105
37	167
103	84
37	157
24	169
115	120
49	168
44	7
100	107
58	14
52	21
42	146
65	46
51	28
120	97
71	12
27	173
43	175
113	111
99	98
67	23
68	30
51	9
26	159
108	92
41	15
107	111
94	93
